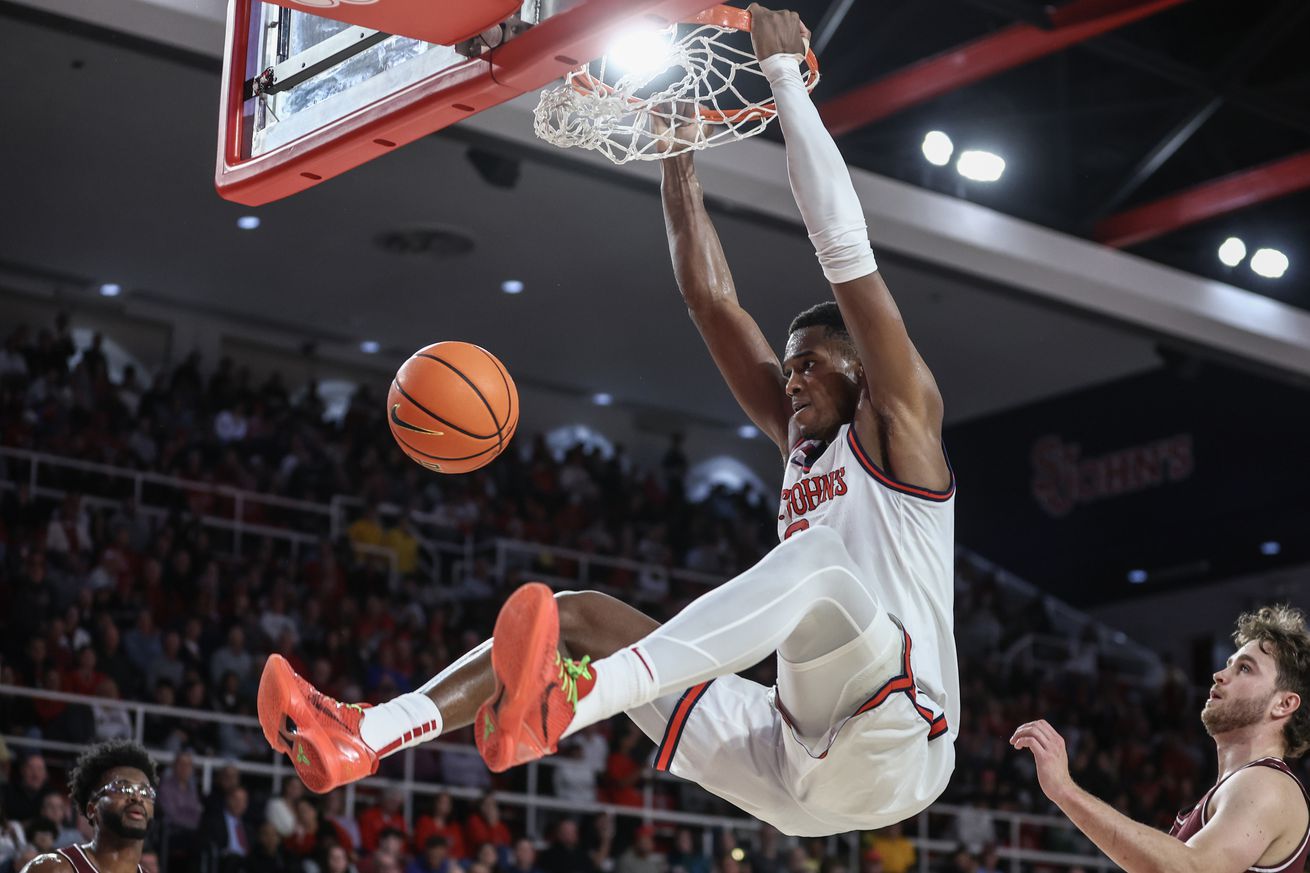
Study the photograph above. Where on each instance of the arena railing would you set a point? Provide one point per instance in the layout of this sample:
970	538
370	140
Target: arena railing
931	838
1055	656
592	570
1068	626
304	523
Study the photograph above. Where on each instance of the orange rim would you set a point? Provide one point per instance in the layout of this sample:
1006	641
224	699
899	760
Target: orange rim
728	18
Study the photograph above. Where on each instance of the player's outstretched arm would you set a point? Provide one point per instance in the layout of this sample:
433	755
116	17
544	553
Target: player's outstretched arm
735	341
905	406
1251	812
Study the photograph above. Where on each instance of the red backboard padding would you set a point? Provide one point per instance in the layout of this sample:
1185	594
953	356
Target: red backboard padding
444	22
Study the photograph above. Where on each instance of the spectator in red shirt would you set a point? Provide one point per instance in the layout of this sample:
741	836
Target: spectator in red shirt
312	834
485	826
85	679
440	823
624	773
49	710
385	815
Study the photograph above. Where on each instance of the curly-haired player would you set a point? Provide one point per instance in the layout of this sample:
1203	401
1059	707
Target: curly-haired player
113	784
1257	816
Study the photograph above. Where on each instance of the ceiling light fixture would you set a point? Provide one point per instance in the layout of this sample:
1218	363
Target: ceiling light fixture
248	222
937	148
1137	577
748	431
111	289
980	166
512	286
1271	548
1270	263
370	347
602	399
1232	252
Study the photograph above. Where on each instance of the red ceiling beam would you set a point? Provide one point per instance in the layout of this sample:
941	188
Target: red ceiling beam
1207	200
1090	10
1008	48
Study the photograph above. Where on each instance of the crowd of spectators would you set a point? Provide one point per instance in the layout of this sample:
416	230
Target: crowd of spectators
115	602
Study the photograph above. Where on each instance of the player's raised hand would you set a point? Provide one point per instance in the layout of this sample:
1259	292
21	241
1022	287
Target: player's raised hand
777	32
675	123
1049	753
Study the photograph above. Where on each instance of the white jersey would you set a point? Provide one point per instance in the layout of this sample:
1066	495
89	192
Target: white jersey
901	537
889	749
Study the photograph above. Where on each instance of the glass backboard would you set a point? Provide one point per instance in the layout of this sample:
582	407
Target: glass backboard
309	93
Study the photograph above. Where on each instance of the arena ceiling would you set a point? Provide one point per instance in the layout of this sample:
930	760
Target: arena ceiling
1117	118
107	164
115	185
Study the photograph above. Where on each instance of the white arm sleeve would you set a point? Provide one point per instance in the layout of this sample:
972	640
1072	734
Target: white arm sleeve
820	181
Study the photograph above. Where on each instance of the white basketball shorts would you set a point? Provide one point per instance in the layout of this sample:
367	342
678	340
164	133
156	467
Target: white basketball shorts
886	756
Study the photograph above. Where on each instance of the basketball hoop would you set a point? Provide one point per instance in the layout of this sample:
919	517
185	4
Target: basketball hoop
647	115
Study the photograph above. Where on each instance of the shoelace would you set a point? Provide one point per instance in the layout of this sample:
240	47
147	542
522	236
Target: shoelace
570	671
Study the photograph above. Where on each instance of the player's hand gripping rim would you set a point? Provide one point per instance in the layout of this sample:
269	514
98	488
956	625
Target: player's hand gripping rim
674	123
778	32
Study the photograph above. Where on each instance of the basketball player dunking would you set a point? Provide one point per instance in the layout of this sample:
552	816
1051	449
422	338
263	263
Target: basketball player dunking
1257	816
856	601
113	784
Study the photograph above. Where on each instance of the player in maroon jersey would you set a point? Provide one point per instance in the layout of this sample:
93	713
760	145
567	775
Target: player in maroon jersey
113	784
1257	816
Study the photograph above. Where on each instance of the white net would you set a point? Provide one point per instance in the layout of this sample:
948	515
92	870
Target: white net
653	113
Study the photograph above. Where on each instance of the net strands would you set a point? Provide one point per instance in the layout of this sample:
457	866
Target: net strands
640	118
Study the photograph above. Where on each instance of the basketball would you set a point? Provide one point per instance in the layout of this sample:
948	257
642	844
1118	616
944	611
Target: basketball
453	407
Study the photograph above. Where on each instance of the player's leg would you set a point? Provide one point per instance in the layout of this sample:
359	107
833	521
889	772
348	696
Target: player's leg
591	624
333	743
804	600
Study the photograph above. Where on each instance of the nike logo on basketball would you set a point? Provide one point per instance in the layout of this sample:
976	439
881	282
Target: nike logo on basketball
400	422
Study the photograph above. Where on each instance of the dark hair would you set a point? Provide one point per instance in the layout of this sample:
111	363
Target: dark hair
827	316
390	832
434	841
1281	632
41	824
87	775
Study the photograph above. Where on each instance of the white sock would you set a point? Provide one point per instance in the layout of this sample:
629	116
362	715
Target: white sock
401	722
624	680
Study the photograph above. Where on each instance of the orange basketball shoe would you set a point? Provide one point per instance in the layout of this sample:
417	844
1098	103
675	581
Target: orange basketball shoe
320	734
537	688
